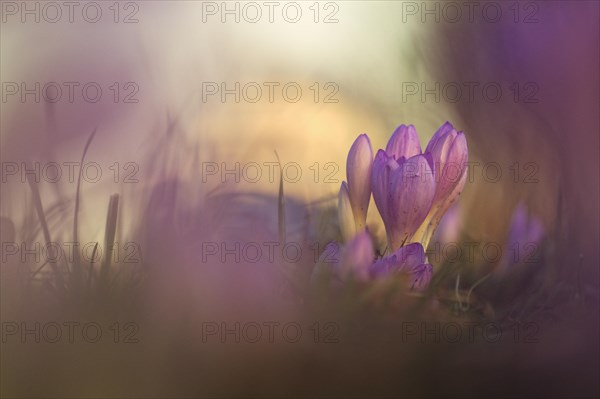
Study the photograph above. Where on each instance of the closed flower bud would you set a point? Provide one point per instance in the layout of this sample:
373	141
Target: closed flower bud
358	171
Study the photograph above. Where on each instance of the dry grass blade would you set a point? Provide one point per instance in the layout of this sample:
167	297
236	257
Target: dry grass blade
281	204
76	263
91	274
37	203
109	236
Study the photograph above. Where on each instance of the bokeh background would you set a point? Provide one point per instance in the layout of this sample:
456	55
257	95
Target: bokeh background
544	57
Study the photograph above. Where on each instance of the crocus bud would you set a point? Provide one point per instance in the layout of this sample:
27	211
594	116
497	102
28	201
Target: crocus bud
358	172
357	258
383	167
403	143
448	149
345	215
449	152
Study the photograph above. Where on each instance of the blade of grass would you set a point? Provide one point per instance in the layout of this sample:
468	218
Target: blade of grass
77	275
91	274
281	204
109	238
37	203
286	268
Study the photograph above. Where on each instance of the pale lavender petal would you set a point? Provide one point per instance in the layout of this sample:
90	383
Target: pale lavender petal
419	277
518	224
536	230
381	267
358	171
440	133
441	207
358	257
403	143
383	166
449	154
524	231
409	255
406	257
410	198
345	215
525	234
453	166
328	264
450	225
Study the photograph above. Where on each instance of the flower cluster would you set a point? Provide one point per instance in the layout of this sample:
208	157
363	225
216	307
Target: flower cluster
412	190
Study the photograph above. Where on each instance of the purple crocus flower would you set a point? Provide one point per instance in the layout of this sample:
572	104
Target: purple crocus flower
403	190
448	149
525	234
412	191
358	173
524	228
409	260
356	261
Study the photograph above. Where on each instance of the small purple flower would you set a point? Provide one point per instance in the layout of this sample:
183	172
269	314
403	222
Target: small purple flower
358	173
356	261
407	256
525	234
408	260
524	228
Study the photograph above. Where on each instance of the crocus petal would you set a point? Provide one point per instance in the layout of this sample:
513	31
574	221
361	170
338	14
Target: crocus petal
429	226
535	232
452	167
403	143
450	225
449	152
345	215
448	149
420	277
409	255
328	264
524	228
409	199
383	166
357	258
441	132
358	171
404	258
445	204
